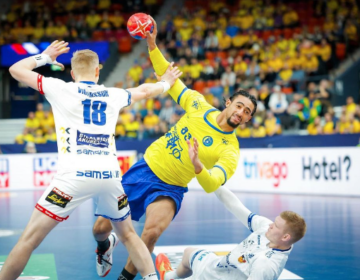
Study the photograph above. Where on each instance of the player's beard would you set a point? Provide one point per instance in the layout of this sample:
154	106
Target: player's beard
233	125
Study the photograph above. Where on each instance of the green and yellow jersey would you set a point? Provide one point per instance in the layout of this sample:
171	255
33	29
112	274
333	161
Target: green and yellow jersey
168	156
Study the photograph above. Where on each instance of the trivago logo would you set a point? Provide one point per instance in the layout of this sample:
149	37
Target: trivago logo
4	173
44	170
266	170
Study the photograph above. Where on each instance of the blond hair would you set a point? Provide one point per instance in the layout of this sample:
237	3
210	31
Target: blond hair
295	224
84	62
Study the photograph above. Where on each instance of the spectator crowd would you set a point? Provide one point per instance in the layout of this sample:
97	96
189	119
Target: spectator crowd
272	49
69	20
280	51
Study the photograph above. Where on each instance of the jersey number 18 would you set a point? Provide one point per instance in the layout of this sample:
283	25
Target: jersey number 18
98	116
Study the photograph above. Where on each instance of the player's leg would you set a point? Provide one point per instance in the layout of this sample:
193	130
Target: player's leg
159	215
55	205
137	250
102	227
106	243
184	270
101	231
36	230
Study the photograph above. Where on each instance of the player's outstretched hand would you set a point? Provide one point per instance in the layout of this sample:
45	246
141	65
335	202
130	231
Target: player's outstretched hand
151	37
55	49
171	74
194	155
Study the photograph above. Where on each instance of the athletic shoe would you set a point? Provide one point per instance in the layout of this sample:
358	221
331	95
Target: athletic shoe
163	265
104	260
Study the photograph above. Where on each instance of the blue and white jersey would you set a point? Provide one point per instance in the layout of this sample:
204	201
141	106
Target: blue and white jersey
85	119
252	258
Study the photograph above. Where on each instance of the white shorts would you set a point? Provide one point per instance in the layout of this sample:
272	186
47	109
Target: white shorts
68	191
201	263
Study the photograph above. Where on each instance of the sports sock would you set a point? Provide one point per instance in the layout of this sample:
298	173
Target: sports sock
126	275
151	276
171	275
103	245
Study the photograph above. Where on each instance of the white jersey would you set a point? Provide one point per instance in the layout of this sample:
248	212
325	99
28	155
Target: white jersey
251	259
85	119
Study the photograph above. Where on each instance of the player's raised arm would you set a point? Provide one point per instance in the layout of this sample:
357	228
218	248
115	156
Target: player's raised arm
179	92
150	90
238	209
233	204
22	70
159	62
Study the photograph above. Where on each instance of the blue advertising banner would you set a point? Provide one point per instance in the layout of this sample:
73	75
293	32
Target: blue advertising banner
12	53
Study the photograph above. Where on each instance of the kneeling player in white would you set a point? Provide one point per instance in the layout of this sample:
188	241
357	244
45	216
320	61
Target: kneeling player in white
85	116
262	255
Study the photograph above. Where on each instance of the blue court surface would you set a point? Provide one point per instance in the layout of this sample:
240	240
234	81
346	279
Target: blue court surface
330	249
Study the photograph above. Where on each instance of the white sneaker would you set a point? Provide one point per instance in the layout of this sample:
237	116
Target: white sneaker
104	261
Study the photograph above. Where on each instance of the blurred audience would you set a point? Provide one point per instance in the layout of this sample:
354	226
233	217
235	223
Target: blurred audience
269	48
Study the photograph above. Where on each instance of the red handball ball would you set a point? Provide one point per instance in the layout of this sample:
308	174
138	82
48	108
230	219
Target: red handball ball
138	24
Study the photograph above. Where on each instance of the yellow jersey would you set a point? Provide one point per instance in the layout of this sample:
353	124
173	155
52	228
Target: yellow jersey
355	126
32	123
243	133
259	132
151	121
344	127
168	156
21	138
312	129
328	128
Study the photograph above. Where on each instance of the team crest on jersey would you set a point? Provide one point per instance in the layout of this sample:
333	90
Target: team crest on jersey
208	141
58	198
269	254
196	104
242	259
122	202
225	141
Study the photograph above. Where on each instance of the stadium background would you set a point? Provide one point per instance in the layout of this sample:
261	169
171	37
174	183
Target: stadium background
301	59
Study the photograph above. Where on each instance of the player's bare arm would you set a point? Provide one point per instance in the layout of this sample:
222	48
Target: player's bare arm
151	37
22	71
160	60
149	90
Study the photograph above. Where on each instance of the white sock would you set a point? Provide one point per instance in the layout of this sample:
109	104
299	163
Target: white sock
151	276
171	275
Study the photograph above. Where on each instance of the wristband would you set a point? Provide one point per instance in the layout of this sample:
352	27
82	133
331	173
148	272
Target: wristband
42	59
165	84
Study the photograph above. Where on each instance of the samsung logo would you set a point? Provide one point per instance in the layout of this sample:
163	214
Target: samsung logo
98	174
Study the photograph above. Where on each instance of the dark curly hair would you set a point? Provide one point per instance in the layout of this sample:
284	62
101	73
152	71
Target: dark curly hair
246	94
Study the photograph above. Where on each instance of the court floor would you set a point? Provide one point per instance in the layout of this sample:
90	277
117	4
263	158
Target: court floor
330	249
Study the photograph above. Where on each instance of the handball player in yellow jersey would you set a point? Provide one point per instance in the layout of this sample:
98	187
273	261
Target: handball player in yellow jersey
202	144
